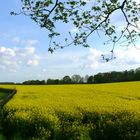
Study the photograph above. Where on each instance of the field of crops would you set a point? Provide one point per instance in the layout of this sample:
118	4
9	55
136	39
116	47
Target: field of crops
74	112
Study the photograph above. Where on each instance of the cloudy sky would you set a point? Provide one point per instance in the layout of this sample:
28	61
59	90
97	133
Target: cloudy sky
24	51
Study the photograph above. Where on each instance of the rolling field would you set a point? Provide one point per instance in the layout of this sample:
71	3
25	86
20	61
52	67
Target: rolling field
74	112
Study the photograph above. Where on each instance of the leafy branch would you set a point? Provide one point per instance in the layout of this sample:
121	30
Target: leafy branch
88	18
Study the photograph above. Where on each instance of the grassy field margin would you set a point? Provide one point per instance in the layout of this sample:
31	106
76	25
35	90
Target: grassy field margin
11	93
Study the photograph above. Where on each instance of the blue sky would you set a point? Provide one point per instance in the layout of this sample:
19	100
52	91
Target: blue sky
24	51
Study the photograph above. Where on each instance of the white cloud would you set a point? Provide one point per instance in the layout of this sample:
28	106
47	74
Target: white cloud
12	59
74	30
130	56
24	52
74	58
6	52
32	62
87	1
93	59
137	1
28	43
124	58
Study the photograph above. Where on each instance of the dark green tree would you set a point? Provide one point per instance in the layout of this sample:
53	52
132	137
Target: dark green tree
50	81
66	80
34	82
90	80
76	79
137	74
89	17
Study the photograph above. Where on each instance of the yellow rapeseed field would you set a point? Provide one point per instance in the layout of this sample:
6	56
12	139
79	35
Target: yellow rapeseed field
80	110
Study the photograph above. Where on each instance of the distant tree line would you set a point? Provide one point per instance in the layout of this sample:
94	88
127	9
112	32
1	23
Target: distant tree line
34	82
75	79
107	77
7	83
